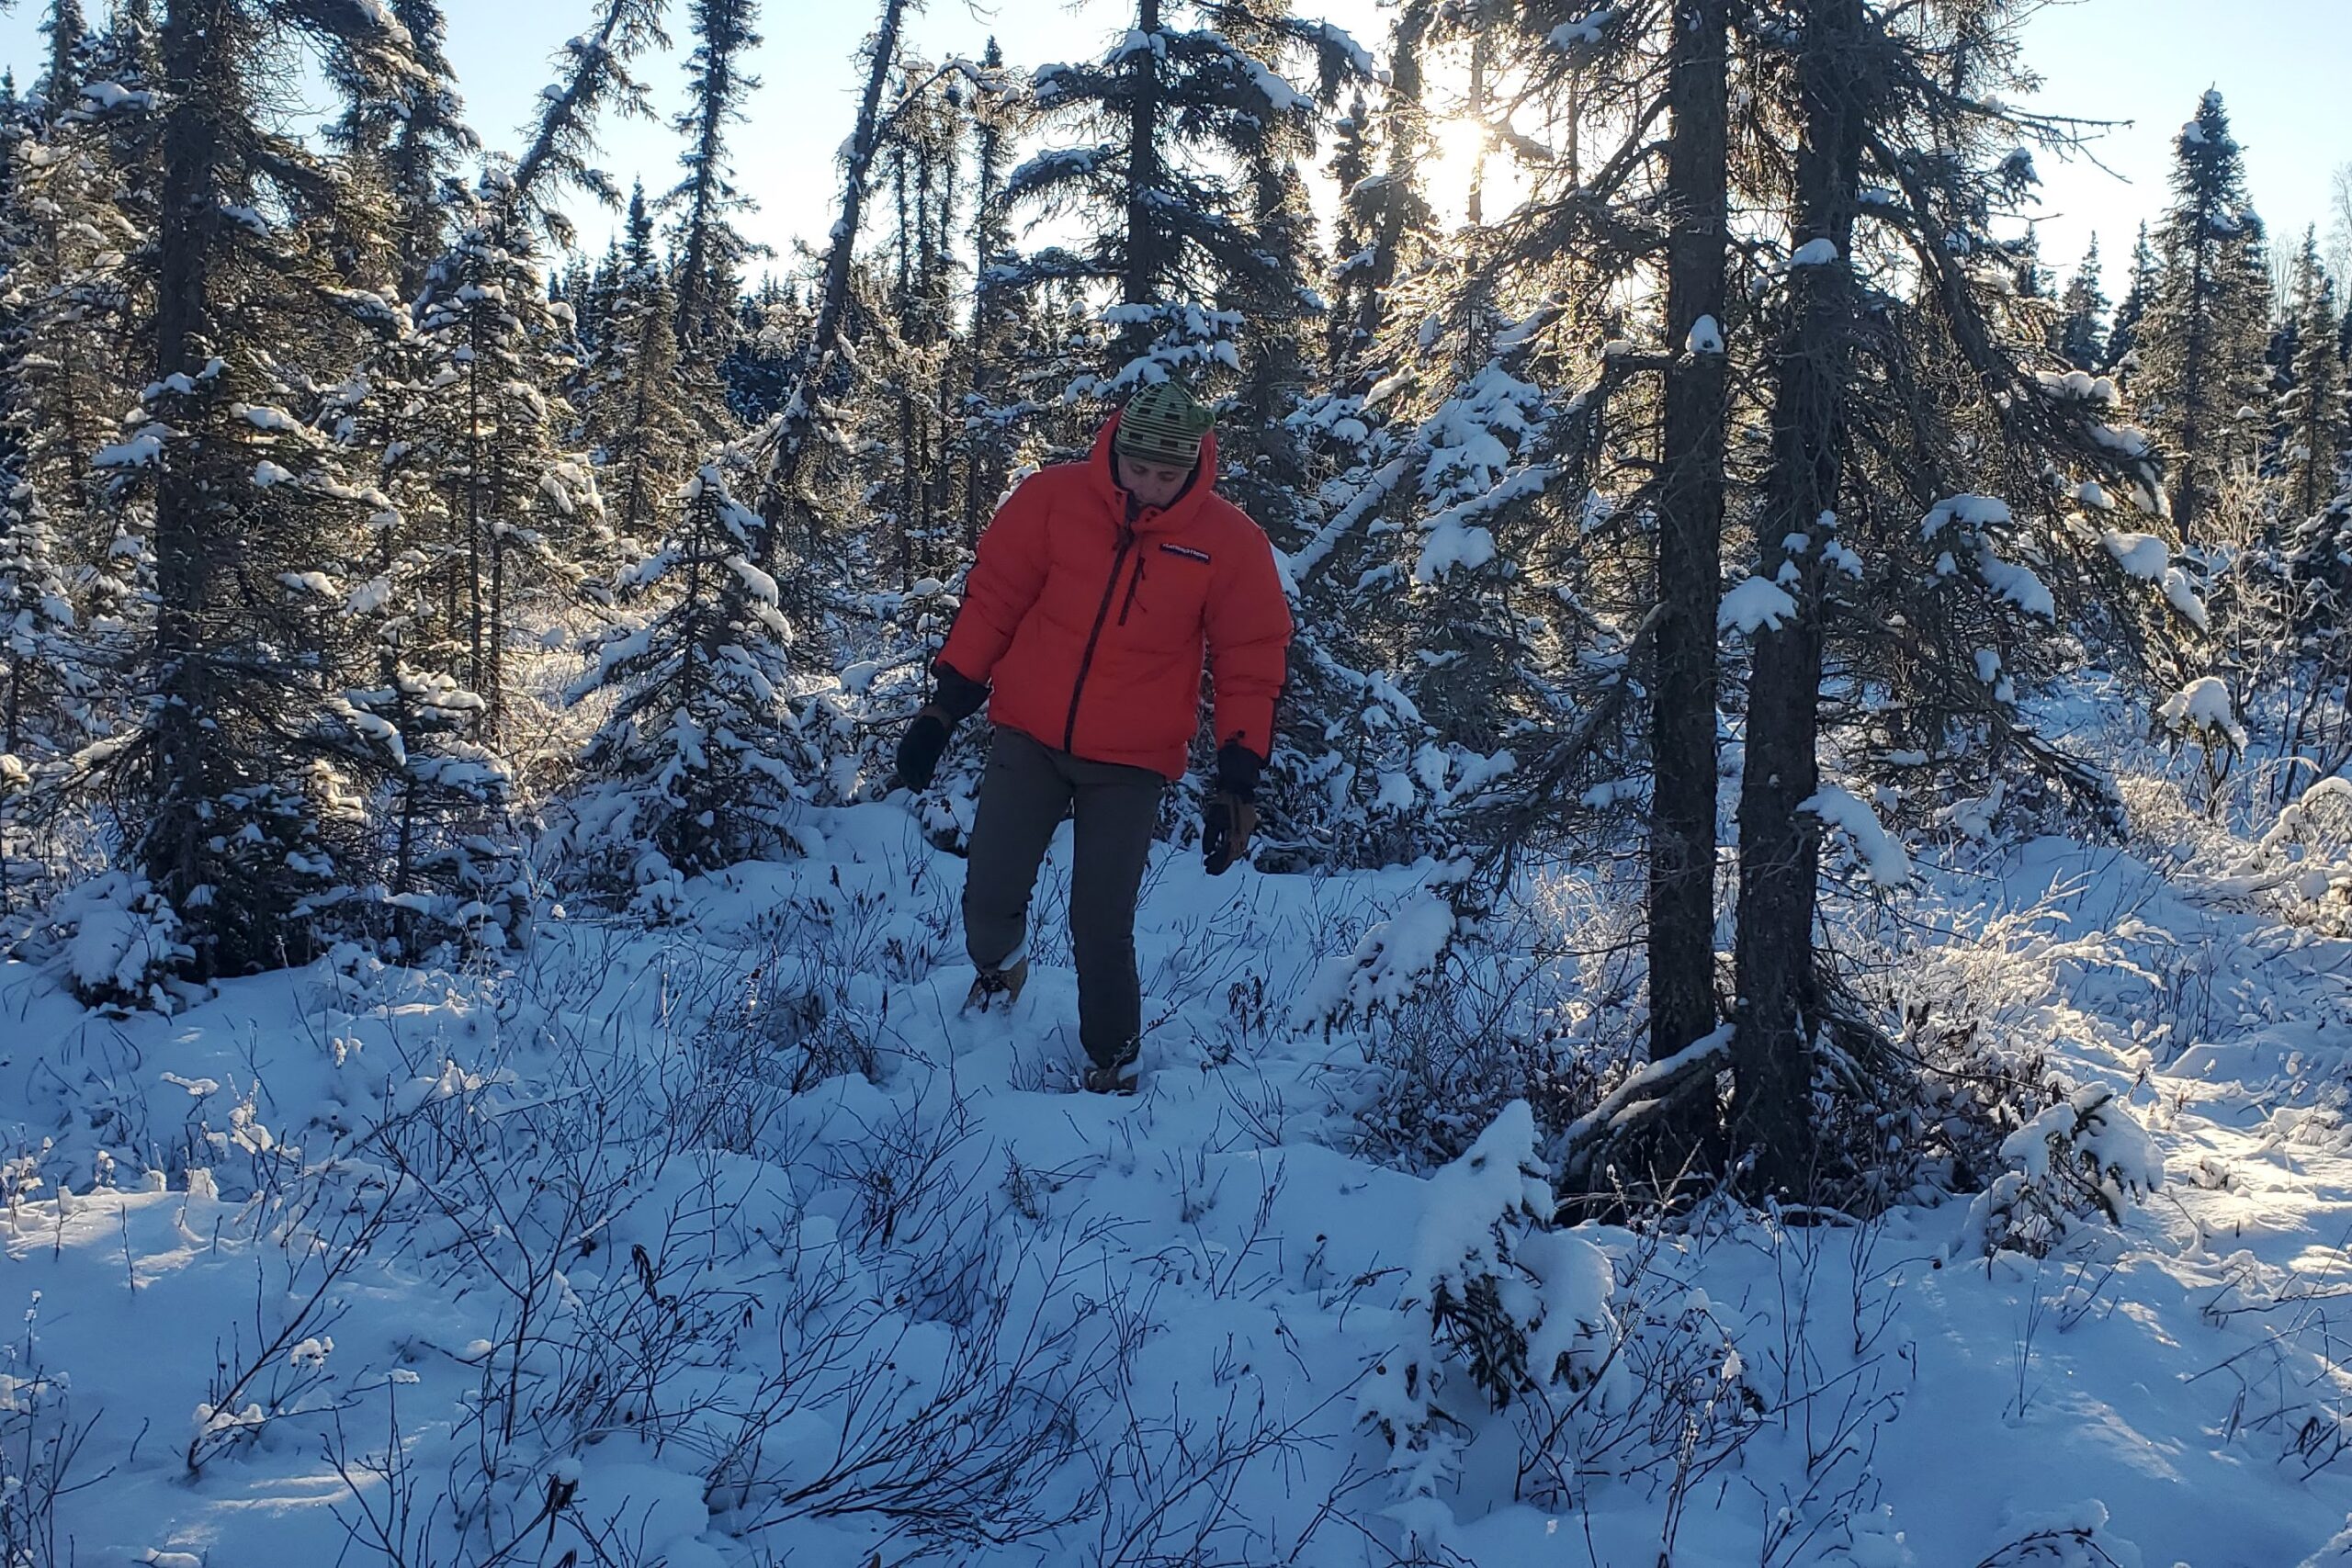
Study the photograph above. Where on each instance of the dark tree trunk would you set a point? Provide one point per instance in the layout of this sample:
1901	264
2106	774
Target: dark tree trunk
196	39
982	456
475	520
1689	544
1139	284
940	445
1779	844
2196	357
1404	122
910	336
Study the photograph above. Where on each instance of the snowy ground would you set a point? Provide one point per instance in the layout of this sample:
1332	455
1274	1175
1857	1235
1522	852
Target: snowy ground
730	1243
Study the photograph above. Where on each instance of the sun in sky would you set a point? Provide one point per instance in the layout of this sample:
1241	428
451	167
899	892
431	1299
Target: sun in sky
1456	142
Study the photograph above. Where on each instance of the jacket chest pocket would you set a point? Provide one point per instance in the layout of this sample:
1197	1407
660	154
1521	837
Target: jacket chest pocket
1165	594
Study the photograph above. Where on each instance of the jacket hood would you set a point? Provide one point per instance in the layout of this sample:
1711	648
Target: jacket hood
1195	494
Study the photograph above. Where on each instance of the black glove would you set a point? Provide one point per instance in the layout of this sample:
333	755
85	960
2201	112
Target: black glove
1237	771
958	696
1230	817
1225	826
920	749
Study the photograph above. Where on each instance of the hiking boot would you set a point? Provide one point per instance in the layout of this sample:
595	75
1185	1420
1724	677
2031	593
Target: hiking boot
992	987
1114	1076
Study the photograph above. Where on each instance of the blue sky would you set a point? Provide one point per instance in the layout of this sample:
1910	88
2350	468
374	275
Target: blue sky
2280	65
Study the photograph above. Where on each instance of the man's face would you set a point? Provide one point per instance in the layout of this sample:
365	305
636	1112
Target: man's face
1153	484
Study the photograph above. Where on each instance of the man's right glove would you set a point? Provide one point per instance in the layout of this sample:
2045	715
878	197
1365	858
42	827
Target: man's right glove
1230	816
919	748
958	698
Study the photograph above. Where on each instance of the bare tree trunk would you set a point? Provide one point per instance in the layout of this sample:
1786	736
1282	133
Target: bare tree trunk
1779	844
1480	49
1690	541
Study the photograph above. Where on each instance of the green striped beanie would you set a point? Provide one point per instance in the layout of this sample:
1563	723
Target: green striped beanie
1163	423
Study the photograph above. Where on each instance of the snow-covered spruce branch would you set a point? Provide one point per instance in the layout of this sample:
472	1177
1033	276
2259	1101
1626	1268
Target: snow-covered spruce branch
1530	798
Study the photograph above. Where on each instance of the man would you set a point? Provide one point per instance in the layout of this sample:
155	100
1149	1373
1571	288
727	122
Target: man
1093	597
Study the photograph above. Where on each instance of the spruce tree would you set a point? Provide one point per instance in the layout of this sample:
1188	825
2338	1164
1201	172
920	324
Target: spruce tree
710	249
234	817
517	510
2082	335
2122	356
763	361
1173	117
596	76
689	752
1448	610
783	497
1261	449
85	288
2202	342
1884	554
68	63
2312	413
1352	151
412	142
639	428
1774	1023
986	433
911	366
35	613
1389	211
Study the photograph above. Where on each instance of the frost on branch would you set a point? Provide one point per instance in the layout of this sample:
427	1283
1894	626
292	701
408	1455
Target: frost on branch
2203	712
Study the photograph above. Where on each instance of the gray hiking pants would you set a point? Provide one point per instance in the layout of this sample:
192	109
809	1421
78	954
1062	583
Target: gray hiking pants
1028	789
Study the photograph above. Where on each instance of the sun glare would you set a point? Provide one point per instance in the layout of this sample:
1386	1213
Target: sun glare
1448	176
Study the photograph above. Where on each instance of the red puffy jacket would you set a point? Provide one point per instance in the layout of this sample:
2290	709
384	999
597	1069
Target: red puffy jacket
1092	631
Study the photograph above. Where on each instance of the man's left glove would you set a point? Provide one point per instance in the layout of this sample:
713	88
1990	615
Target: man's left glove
1230	814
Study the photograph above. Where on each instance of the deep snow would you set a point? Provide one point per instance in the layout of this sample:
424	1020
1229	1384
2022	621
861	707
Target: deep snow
685	1287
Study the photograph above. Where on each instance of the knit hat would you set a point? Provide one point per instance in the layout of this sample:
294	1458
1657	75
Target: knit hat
1163	423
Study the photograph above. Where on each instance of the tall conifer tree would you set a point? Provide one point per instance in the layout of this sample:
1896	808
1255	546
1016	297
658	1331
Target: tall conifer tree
710	249
2312	413
2122	354
1175	116
2202	344
245	498
2082	333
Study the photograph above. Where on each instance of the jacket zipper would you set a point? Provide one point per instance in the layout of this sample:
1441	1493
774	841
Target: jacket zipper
1133	584
1086	659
